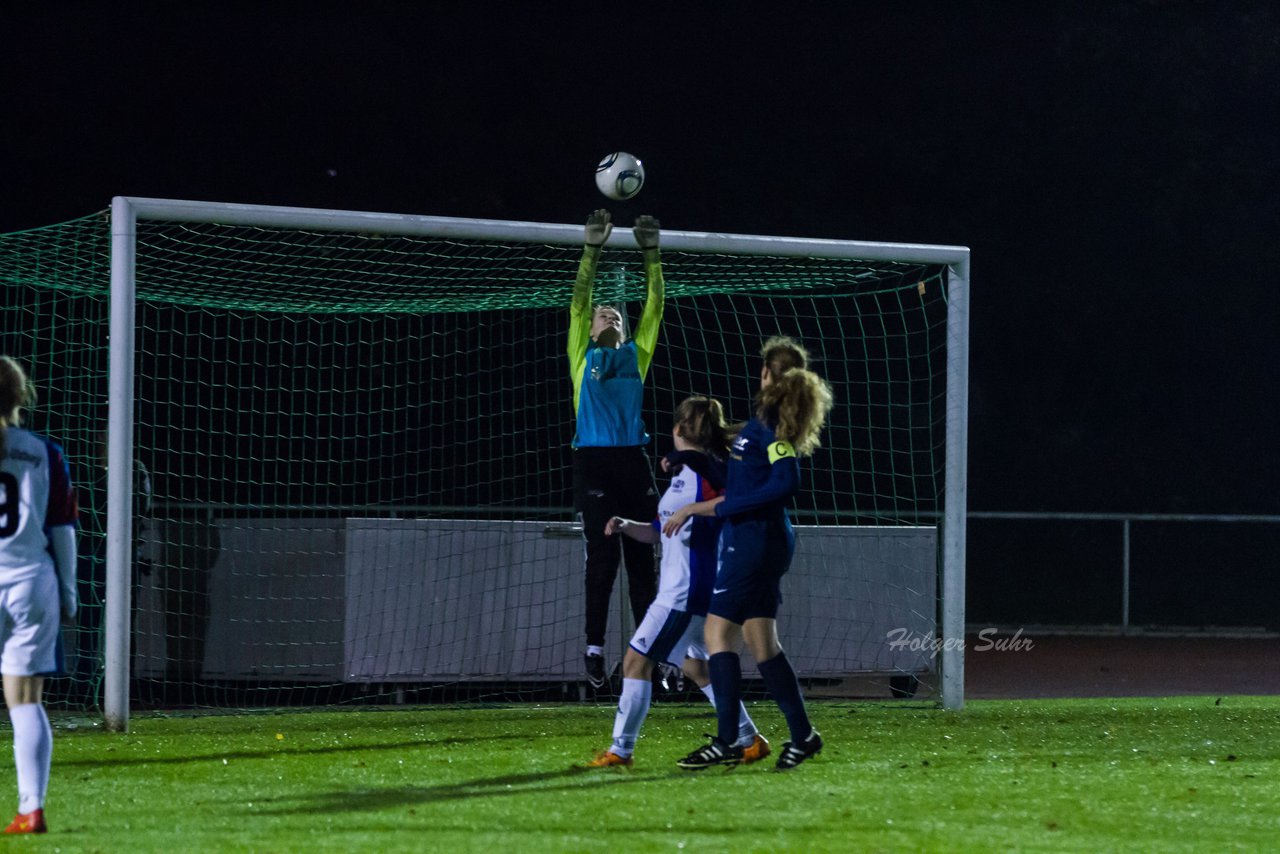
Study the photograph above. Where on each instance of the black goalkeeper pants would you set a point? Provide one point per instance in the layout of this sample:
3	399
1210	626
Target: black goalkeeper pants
611	482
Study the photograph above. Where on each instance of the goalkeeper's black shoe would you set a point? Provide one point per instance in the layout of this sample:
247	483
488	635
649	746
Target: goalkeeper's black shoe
670	677
595	670
793	754
715	753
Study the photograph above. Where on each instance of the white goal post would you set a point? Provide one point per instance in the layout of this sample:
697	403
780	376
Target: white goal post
128	212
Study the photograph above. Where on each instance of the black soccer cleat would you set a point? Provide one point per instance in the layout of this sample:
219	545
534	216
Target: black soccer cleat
669	677
793	754
715	753
595	670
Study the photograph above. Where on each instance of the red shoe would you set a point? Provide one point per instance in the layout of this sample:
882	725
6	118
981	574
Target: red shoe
32	822
609	759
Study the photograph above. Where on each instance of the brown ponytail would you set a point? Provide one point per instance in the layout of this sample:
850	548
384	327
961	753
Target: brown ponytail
701	423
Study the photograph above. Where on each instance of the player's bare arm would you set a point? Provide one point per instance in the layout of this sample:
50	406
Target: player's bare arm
698	508
635	530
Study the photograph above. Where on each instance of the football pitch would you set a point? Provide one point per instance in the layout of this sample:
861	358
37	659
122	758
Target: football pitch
1189	773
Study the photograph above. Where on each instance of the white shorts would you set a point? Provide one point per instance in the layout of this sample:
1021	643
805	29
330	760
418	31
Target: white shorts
30	614
669	635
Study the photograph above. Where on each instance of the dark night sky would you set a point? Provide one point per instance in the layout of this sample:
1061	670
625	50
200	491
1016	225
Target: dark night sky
1114	167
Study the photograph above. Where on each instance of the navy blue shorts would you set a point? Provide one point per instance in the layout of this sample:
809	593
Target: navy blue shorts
754	556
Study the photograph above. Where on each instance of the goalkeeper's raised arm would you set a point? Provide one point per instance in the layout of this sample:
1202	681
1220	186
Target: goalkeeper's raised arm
612	475
646	232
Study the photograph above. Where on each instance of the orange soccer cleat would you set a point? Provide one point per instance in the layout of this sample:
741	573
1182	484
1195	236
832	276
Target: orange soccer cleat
609	759
755	751
32	822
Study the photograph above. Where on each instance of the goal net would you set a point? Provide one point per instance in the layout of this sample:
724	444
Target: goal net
341	445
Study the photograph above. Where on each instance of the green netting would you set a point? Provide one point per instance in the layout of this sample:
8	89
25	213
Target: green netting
291	381
270	270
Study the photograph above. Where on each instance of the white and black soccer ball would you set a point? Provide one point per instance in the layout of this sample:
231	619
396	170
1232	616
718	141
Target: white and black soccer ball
620	175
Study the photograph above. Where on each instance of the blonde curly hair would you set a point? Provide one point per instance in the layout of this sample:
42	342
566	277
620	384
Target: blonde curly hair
16	393
796	400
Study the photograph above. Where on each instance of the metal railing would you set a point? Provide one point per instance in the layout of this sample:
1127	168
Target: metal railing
1127	520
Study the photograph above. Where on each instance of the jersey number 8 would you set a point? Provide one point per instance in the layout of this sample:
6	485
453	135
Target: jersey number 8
10	506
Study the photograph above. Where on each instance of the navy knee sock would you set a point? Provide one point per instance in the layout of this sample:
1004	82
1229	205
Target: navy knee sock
784	687
726	680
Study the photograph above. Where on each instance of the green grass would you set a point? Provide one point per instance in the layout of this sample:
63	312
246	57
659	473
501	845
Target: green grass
1194	774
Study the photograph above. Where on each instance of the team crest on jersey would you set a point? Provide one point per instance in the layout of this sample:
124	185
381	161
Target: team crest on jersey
604	369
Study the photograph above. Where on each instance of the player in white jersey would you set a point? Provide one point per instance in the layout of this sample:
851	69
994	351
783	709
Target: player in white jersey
671	630
37	585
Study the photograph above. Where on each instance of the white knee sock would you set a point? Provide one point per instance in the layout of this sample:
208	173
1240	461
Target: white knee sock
32	752
746	727
633	705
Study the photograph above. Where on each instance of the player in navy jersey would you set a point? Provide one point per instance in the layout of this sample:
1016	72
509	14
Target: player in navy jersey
671	630
756	545
37	585
612	475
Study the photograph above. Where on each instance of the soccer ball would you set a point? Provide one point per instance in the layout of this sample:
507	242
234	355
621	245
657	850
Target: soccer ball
620	175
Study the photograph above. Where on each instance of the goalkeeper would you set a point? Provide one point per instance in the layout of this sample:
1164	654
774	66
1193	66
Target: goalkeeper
612	474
